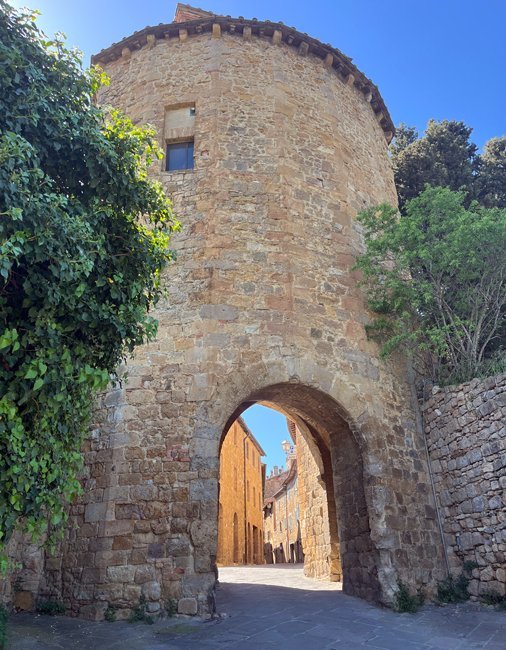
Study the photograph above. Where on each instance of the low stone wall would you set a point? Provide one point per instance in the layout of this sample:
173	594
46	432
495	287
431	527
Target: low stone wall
465	427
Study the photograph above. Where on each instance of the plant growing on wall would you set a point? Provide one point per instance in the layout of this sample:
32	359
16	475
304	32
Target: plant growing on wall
436	281
84	236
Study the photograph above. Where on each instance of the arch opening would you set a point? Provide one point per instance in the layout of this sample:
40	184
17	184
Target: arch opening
332	534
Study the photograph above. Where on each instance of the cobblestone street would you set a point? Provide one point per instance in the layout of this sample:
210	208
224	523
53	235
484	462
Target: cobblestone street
268	607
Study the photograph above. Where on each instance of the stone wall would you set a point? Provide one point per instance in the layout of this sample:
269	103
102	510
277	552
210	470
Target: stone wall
25	579
321	554
466	433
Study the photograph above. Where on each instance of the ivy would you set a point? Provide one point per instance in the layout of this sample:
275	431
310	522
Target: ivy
84	236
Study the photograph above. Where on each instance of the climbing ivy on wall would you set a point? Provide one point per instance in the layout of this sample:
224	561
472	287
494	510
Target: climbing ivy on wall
84	236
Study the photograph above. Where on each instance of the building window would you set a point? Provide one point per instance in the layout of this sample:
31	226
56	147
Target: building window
179	156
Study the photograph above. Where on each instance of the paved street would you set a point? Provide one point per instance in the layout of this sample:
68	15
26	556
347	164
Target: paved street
268	608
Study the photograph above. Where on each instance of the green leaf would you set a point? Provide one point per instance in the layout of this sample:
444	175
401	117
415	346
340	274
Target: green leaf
38	384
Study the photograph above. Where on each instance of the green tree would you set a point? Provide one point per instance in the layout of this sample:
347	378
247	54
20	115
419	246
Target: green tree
443	157
436	280
84	236
491	183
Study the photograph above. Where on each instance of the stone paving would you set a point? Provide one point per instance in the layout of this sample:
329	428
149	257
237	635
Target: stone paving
268	607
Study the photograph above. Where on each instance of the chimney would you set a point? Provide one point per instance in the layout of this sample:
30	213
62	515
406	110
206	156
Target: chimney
186	12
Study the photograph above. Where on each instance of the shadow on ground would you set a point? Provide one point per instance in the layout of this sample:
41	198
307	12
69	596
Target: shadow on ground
267	616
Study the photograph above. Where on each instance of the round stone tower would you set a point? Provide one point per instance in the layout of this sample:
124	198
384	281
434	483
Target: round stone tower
274	142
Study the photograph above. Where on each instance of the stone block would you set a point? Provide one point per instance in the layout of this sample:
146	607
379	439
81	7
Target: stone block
151	590
187	606
97	512
121	573
93	612
24	600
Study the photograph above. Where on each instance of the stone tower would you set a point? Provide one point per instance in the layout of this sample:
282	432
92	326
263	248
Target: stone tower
284	142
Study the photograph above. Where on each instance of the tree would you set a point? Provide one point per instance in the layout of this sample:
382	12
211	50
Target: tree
436	280
491	184
443	157
84	236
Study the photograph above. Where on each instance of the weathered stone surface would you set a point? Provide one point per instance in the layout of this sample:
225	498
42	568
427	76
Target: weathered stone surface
469	475
187	606
24	600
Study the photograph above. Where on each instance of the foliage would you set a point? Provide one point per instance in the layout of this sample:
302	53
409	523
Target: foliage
4	616
83	237
171	607
453	590
492	177
50	607
493	597
445	157
110	613
139	614
436	279
405	601
469	565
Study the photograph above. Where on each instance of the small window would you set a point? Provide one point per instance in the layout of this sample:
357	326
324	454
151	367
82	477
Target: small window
179	156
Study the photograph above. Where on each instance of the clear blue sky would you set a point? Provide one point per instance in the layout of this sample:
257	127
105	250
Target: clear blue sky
269	428
429	58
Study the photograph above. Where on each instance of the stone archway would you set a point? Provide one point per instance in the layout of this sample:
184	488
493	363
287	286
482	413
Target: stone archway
320	420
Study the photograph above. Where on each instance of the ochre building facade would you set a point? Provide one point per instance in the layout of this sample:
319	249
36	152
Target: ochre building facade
240	503
288	142
283	539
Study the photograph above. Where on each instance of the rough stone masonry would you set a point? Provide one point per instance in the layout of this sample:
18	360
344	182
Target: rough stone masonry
290	143
466	432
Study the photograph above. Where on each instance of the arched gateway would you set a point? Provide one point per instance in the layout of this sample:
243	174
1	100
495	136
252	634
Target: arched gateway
273	143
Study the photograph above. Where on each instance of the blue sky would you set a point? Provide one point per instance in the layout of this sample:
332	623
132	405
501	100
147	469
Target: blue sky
430	59
269	428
